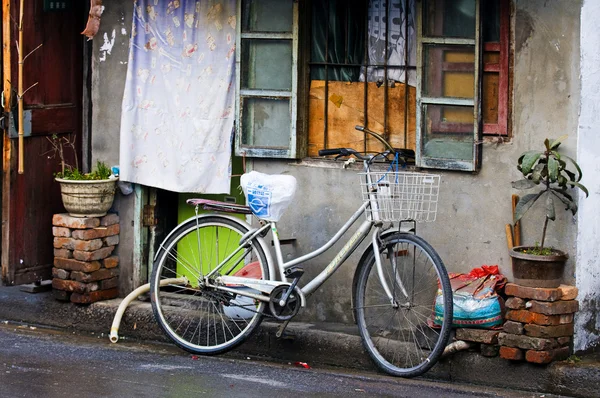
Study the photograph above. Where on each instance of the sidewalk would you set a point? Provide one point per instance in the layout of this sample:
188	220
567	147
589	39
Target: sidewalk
316	344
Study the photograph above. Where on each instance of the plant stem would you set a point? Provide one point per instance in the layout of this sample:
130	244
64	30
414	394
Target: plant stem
544	233
547	183
62	159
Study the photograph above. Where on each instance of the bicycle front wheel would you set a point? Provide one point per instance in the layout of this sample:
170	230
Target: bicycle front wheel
407	335
199	318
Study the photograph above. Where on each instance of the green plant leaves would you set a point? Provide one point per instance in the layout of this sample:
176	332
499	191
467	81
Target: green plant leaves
523	184
549	170
527	160
580	186
554	144
566	199
539	172
580	174
552	169
525	204
102	172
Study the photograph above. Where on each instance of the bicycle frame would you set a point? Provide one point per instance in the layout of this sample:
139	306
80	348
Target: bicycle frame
351	245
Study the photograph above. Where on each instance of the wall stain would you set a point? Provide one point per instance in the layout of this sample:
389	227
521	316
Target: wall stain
524	28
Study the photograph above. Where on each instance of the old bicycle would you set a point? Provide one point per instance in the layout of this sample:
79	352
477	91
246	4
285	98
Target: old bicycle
214	278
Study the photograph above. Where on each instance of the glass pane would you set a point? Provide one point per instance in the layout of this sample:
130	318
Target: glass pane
449	71
490	15
448	132
267	64
266	122
449	18
267	16
489	105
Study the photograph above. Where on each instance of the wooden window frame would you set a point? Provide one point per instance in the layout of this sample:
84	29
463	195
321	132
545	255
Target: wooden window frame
295	148
438	162
501	47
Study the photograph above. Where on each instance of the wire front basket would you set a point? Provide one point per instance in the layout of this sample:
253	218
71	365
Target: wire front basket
401	195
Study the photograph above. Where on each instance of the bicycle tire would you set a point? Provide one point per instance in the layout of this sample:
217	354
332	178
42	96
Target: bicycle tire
404	340
190	314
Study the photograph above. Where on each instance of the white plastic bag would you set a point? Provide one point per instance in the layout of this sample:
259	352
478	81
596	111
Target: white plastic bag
268	195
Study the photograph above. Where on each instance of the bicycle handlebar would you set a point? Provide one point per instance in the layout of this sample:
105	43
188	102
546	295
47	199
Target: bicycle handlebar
350	151
336	151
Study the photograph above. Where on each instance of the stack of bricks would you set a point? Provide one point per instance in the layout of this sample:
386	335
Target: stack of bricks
485	340
85	271
539	323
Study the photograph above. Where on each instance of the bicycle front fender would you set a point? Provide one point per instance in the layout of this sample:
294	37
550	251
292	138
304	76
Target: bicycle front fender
365	255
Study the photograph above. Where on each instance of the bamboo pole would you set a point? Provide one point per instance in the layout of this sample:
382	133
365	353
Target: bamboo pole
21	168
517	226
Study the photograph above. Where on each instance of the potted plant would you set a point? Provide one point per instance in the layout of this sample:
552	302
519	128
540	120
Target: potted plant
539	265
83	194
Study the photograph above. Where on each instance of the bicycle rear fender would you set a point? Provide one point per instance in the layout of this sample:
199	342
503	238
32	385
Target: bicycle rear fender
263	245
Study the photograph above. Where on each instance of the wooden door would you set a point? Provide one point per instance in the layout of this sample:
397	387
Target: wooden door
54	105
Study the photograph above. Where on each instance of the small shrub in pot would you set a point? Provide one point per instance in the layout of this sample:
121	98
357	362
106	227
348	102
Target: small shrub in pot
557	178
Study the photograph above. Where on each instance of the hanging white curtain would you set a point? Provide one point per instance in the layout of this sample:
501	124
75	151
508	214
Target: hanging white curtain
401	19
178	106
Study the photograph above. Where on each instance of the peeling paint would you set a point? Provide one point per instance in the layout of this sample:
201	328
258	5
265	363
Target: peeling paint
108	45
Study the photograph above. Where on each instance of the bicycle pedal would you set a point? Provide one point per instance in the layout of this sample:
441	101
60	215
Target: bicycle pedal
294	272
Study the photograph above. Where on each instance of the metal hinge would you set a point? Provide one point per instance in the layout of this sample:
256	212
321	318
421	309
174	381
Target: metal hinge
149	218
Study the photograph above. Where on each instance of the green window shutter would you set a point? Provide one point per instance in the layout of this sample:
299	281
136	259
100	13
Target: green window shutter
448	84
267	79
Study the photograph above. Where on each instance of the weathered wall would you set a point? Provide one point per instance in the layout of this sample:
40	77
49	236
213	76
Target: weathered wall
588	234
109	69
474	208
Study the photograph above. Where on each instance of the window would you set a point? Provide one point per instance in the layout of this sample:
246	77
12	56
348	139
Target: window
419	71
462	90
266	68
448	86
361	55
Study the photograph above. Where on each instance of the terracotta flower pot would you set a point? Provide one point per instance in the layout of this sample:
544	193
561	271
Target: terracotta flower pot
537	271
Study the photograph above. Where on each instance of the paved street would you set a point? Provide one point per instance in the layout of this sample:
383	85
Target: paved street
36	362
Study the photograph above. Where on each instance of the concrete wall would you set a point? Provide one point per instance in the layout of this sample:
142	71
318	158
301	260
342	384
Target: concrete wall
109	69
474	208
588	234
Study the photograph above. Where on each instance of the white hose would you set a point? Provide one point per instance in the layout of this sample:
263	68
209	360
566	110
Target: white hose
114	329
455	347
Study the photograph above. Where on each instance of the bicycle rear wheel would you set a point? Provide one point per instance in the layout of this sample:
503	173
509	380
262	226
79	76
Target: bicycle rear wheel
407	337
201	319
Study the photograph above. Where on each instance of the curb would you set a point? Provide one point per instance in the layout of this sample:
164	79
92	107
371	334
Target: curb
316	344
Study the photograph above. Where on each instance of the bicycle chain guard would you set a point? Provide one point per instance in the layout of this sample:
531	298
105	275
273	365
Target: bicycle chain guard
291	307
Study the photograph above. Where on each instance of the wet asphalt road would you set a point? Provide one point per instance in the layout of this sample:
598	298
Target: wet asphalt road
36	362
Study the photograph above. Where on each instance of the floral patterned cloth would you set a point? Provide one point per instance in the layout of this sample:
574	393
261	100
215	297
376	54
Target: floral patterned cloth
178	106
